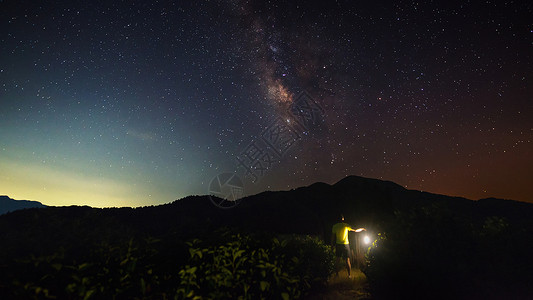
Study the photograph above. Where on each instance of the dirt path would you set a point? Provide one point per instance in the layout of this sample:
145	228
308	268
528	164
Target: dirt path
341	287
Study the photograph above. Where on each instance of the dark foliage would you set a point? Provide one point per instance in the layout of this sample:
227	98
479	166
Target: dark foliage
432	251
430	246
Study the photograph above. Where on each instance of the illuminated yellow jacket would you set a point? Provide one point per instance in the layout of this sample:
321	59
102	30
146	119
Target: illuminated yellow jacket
340	230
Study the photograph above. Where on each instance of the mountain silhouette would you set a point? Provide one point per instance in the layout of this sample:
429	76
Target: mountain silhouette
7	204
306	210
449	246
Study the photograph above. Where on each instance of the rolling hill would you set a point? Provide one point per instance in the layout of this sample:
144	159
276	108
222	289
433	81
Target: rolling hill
426	242
7	204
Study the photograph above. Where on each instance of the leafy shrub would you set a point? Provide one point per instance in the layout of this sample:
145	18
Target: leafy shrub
423	255
112	271
428	252
237	269
224	265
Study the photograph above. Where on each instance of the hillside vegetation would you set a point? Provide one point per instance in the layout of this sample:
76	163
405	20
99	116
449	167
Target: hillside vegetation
272	245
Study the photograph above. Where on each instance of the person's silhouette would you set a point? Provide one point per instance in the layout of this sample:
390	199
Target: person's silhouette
342	244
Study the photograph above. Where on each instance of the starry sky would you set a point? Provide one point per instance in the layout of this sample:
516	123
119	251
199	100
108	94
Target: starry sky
133	103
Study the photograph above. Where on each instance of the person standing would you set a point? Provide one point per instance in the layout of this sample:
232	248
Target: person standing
342	244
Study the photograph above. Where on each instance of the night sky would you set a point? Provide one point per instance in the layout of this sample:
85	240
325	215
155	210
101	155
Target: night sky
130	103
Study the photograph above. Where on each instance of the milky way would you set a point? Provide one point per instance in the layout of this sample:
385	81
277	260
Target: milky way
140	103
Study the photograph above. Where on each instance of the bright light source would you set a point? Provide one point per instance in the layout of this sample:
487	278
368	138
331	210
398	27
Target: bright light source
366	240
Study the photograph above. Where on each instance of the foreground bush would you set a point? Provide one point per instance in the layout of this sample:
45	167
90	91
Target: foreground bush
227	266
239	269
430	253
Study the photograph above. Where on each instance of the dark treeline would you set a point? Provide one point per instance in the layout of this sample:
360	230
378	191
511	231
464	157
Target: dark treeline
429	246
